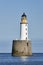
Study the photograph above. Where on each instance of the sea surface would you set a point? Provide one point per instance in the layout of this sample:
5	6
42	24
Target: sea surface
8	59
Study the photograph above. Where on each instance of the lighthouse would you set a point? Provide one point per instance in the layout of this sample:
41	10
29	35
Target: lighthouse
24	27
22	47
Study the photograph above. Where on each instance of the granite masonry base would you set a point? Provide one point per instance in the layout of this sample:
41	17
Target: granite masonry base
21	48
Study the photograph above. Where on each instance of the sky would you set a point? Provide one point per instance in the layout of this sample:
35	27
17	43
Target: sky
10	18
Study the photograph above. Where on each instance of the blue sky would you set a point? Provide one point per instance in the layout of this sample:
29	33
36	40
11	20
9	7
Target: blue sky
10	18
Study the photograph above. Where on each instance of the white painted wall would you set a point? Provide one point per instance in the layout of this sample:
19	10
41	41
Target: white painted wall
23	31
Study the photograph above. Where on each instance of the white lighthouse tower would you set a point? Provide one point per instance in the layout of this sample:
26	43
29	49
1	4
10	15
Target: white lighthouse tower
24	28
22	47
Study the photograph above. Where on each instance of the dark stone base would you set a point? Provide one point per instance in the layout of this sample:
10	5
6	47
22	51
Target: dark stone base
21	48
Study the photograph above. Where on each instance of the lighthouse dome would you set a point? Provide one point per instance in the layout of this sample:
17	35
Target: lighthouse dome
24	18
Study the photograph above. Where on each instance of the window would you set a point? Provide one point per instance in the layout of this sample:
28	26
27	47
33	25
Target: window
27	43
26	38
26	28
26	33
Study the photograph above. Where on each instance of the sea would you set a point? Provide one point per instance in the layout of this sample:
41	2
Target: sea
8	59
